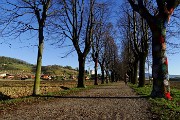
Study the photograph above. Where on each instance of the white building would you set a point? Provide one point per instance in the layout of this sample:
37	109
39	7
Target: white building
2	74
92	72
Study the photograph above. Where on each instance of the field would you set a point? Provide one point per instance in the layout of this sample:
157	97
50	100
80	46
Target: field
19	88
175	84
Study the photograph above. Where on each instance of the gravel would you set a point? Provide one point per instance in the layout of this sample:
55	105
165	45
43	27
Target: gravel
113	102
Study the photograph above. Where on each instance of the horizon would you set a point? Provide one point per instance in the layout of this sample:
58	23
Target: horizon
77	67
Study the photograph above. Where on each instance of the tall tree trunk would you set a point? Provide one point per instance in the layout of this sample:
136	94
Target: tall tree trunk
81	76
158	24
36	88
161	87
102	74
112	76
96	75
142	60
102	77
131	74
160	64
135	72
107	76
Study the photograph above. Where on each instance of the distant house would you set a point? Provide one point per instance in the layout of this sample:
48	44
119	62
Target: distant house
92	72
45	77
72	77
9	76
24	77
2	75
30	76
86	78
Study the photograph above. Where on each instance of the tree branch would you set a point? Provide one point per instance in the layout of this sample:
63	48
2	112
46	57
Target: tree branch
142	10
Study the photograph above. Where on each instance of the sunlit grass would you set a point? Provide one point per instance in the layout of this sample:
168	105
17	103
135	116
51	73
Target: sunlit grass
165	109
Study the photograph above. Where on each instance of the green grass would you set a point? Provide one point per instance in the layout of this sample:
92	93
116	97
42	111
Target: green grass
70	91
143	91
165	109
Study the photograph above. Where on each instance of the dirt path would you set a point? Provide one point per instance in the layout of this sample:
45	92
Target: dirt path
115	102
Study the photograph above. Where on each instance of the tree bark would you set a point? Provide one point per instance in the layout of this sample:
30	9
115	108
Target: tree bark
142	60
96	75
36	88
135	72
102	74
131	74
112	76
160	65
96	67
81	76
107	76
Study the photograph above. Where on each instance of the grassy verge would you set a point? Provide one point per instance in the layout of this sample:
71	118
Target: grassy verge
165	109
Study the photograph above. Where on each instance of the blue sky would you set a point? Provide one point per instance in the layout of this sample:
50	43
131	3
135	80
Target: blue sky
52	55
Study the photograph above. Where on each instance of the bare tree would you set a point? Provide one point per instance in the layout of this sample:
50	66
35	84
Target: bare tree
77	25
129	43
158	24
104	47
139	41
101	19
22	16
114	62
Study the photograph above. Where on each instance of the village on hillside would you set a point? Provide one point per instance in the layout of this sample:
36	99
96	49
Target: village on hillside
15	69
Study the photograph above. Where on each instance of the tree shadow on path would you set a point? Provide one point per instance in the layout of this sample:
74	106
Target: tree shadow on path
4	97
96	97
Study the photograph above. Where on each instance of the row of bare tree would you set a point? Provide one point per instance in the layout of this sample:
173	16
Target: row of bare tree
136	41
82	22
86	25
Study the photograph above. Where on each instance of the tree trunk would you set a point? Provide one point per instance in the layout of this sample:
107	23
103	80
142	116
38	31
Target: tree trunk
81	76
112	76
158	24
142	60
135	72
96	75
36	88
102	74
107	76
131	74
160	64
102	77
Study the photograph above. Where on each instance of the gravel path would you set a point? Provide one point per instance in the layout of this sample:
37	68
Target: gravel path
114	102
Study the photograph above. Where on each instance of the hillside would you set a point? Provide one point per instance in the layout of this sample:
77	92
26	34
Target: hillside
58	70
16	66
13	65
